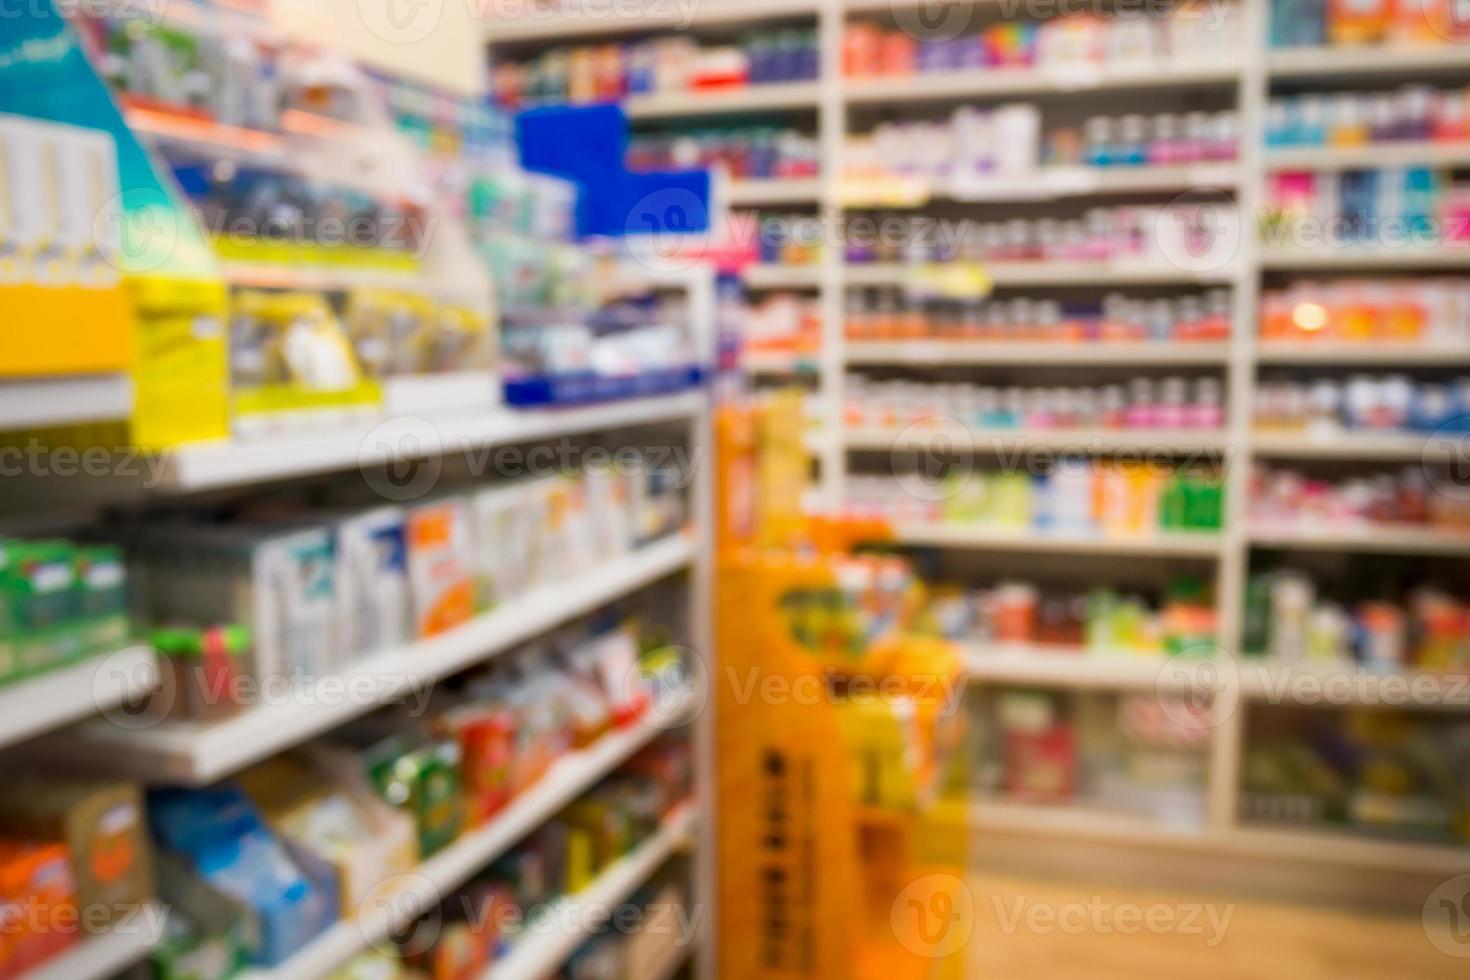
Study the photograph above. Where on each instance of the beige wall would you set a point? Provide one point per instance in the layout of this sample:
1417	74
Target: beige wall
438	41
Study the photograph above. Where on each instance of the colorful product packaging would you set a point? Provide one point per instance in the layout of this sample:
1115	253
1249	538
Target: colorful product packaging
318	799
284	898
102	826
372	582
38	905
441	566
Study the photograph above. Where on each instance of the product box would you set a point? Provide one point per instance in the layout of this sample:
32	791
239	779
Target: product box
204	936
506	519
90	207
372	582
22	207
284	896
38	904
319	800
101	824
441	566
423	781
277	582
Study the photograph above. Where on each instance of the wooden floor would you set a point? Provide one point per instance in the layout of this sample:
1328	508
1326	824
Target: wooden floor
1258	941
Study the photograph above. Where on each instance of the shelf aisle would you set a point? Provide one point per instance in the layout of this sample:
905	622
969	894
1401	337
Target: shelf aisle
203	753
441	874
542	954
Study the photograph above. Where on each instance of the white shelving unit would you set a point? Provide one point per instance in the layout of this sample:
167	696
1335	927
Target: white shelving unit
1246	81
36	403
441	874
941	353
59	697
200	754
100	956
238	463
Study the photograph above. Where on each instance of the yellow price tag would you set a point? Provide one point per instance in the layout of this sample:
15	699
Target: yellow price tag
954	280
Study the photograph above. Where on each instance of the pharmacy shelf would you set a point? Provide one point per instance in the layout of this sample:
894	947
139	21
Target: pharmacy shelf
940	353
1324	847
1343	848
940	437
214	138
1056	183
107	954
35	403
777	190
1076	668
1081	821
1371	156
748	99
1364	353
212	466
1367	446
606	20
1355	61
199	754
1047	184
764	275
1341	684
985	83
778	365
1099	274
70	694
981	537
1285	258
1393	539
456	864
540	956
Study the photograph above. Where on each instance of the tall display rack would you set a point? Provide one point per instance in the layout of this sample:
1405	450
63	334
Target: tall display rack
1224	847
84	713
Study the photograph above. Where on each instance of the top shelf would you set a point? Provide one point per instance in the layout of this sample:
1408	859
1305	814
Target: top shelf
612	20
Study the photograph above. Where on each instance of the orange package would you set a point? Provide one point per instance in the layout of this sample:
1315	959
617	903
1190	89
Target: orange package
39	902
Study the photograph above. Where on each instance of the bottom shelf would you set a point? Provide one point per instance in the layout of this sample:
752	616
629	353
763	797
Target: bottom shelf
539	956
460	861
106	954
1319	846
